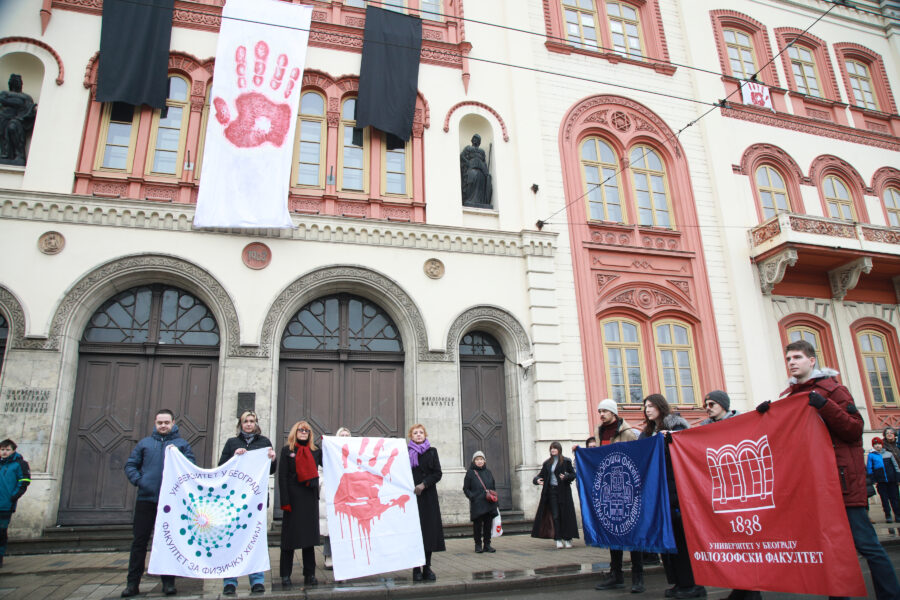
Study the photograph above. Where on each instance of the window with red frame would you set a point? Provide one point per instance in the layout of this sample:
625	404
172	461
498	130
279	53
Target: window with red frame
879	374
865	80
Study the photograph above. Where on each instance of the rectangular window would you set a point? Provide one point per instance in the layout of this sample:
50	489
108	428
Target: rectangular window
581	23
118	142
861	84
804	67
676	361
622	345
625	29
396	170
740	53
879	370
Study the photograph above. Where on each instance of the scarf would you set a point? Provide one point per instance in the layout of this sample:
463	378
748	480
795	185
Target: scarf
305	463
608	432
247	437
415	450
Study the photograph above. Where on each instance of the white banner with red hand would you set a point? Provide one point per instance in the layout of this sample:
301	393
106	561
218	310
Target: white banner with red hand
762	506
249	143
373	516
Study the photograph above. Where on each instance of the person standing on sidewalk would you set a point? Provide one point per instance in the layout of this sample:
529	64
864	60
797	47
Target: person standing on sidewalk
426	472
845	425
555	517
144	469
249	437
614	429
298	484
15	476
882	467
477	486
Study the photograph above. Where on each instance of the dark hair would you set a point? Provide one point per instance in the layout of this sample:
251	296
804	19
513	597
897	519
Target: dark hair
166	411
589	440
8	443
662	405
801	346
558	446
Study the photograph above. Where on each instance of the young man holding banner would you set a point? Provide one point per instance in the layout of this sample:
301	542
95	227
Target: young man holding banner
845	425
144	469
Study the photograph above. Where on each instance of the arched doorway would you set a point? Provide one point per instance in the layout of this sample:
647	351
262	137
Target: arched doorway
146	348
341	364
4	333
483	401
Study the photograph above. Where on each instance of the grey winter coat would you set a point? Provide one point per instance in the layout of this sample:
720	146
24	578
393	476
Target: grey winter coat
145	465
727	415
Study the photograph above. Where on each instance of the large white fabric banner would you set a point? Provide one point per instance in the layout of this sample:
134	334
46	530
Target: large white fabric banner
250	133
211	523
373	517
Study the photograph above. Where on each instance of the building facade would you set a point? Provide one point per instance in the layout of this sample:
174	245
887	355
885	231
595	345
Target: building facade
633	243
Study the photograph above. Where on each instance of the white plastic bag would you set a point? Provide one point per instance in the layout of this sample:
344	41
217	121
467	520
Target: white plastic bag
496	526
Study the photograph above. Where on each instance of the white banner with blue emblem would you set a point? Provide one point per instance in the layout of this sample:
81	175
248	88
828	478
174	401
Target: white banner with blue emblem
211	523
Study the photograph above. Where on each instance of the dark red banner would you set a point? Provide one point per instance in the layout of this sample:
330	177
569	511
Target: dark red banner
762	505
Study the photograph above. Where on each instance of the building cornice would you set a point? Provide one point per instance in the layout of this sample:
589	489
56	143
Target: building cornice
164	216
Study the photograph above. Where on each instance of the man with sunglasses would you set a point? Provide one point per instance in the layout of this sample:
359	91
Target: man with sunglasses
144	469
717	404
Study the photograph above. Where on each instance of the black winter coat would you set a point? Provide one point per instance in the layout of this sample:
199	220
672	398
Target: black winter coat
300	526
429	472
257	442
543	519
671	422
479	505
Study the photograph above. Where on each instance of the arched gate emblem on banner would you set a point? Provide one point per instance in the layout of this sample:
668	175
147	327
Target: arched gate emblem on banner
743	476
616	493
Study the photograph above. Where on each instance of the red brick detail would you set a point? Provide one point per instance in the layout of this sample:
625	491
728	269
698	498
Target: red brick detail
884	177
722	19
768	154
479	105
850	51
819	48
61	73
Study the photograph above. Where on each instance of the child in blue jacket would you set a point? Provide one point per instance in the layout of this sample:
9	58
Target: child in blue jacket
14	479
884	470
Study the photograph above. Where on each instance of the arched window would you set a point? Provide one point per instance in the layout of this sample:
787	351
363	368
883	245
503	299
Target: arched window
353	162
773	194
807	334
581	22
891	199
309	170
342	322
879	370
622	353
167	132
803	68
625	28
741	55
601	181
477	343
675	356
118	132
865	80
651	197
838	199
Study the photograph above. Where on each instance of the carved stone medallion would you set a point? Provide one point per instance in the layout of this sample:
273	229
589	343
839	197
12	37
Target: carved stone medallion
434	268
52	242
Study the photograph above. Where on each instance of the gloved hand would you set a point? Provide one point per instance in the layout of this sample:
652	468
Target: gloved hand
763	407
286	507
668	437
816	399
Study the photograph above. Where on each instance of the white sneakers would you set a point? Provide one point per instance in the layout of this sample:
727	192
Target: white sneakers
568	544
559	544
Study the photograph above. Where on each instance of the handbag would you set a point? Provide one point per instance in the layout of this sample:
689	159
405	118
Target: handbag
491	494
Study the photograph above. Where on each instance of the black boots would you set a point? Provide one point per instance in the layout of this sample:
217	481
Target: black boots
489	548
614	579
637	582
478	549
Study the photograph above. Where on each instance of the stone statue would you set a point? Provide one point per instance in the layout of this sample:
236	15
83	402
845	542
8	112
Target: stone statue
17	114
476	177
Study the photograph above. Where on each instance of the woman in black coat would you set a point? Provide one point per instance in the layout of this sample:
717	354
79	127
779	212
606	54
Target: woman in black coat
555	517
298	482
482	510
426	471
249	437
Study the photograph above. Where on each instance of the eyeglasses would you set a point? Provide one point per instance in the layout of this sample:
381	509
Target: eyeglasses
710	404
304	430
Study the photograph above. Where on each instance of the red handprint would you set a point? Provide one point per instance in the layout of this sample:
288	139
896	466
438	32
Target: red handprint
357	493
259	119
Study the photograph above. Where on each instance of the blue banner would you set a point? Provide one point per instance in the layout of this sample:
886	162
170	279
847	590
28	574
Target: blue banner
624	496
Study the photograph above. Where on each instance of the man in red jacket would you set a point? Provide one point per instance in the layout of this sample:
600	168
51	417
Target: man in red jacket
845	424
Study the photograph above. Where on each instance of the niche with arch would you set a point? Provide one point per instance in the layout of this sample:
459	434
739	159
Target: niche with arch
31	69
469	125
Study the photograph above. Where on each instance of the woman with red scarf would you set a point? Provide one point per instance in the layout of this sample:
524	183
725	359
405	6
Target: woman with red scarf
298	483
426	470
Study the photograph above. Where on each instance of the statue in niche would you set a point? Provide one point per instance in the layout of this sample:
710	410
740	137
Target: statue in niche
17	114
476	175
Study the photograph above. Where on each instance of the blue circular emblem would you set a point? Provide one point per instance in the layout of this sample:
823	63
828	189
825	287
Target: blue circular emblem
616	494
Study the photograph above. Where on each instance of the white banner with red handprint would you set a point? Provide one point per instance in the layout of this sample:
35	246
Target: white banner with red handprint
373	516
255	96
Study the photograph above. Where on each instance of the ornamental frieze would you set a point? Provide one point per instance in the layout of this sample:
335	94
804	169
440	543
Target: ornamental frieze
885	236
766	232
818	226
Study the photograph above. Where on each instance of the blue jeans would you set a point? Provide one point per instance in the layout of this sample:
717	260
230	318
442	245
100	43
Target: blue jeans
884	580
254	579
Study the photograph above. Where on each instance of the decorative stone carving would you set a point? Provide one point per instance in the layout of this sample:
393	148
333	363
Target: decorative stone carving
885	235
17	114
51	242
683	286
15	318
844	278
351	277
766	231
434	268
823	227
479	105
771	270
212	293
602	280
469	319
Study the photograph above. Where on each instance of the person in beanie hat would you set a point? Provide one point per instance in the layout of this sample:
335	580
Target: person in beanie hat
885	472
479	480
718	407
612	429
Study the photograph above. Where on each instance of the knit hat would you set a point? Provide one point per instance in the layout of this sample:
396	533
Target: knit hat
720	398
609	405
877	441
477	454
